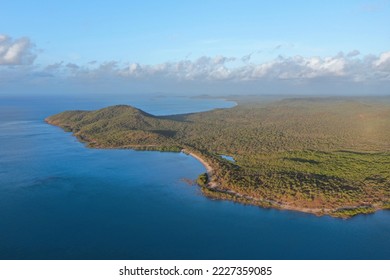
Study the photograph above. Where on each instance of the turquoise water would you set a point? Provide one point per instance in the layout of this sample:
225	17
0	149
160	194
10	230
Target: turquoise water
60	200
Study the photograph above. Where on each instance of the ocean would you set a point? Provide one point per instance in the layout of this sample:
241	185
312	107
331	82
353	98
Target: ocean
61	200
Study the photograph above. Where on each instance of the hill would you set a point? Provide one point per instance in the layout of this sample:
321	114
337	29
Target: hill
117	126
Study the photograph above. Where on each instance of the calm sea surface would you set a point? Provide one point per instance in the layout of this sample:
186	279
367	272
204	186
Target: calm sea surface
60	200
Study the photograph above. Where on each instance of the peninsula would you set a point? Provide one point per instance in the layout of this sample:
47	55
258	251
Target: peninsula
326	156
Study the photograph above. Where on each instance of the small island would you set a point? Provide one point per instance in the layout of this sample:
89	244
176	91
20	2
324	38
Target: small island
326	156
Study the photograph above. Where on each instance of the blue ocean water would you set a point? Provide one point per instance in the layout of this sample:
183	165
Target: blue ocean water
60	200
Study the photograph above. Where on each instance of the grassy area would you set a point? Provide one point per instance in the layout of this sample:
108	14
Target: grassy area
331	156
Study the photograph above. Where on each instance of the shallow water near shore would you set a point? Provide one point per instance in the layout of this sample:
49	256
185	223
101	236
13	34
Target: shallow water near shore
61	200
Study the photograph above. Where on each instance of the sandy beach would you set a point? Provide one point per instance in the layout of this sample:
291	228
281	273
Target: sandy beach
209	169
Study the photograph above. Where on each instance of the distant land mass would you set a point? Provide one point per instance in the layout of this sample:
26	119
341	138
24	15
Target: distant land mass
326	156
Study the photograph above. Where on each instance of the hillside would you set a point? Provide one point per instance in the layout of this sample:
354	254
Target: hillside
324	156
117	126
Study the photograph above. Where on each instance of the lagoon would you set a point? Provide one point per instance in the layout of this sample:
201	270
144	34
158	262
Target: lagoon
228	158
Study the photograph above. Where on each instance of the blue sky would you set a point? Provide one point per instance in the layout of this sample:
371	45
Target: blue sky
247	44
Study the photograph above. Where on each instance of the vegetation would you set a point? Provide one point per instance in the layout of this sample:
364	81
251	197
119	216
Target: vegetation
348	212
202	180
320	155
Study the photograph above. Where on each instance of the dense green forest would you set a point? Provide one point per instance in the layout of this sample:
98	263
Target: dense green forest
319	155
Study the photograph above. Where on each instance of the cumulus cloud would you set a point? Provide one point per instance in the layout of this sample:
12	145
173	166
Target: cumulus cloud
351	67
348	67
383	62
203	68
350	72
297	67
16	52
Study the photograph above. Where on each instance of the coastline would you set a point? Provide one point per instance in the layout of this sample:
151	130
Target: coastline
212	186
209	169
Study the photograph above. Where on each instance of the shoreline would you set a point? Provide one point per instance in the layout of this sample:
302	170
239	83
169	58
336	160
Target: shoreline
208	167
212	185
212	190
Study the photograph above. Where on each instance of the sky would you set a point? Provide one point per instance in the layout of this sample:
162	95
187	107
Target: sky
195	47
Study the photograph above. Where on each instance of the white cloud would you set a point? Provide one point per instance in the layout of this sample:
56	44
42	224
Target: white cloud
16	52
383	62
328	66
350	67
350	72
